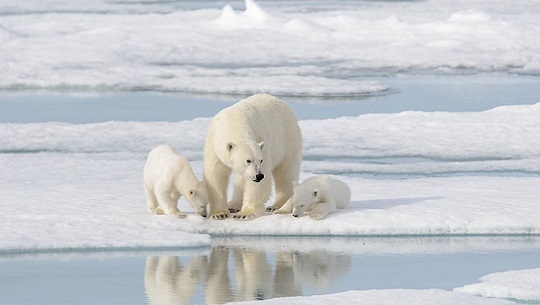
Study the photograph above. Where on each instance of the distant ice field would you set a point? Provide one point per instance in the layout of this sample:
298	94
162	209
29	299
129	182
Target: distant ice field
287	48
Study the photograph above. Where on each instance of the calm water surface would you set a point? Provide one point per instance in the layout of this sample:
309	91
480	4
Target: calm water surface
418	93
241	269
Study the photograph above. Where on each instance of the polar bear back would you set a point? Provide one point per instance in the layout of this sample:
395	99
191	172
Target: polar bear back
165	164
261	117
331	188
341	193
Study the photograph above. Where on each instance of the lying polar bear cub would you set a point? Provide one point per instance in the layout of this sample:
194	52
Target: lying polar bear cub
318	195
167	176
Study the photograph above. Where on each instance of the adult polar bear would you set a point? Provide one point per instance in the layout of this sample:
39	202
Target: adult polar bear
256	138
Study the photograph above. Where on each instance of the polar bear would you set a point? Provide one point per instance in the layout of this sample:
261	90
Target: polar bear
318	195
257	138
167	176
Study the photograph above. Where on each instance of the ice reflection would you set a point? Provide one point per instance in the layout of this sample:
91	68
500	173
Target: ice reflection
230	273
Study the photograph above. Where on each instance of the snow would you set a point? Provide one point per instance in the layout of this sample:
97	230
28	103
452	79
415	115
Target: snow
72	186
384	297
284	48
516	284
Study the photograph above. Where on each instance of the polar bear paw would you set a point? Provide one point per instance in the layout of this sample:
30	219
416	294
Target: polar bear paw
281	212
179	215
246	214
235	206
156	211
271	208
219	215
317	215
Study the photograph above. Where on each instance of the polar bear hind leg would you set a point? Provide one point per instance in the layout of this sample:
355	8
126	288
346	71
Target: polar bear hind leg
168	201
152	202
322	209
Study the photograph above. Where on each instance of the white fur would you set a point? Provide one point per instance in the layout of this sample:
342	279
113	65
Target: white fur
256	136
318	195
167	176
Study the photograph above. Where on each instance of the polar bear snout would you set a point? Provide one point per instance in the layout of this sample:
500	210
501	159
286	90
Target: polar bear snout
259	177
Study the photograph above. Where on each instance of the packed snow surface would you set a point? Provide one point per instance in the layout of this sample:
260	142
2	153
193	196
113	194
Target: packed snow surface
515	284
317	48
412	173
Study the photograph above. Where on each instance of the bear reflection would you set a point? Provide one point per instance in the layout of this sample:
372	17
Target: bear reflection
240	274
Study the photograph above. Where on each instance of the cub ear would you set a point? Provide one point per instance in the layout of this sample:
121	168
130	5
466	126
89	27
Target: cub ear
315	192
295	183
230	146
261	145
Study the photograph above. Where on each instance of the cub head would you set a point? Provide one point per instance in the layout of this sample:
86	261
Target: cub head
246	160
197	197
303	197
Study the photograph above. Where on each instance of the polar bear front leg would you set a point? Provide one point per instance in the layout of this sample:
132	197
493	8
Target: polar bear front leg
255	196
235	205
216	177
322	209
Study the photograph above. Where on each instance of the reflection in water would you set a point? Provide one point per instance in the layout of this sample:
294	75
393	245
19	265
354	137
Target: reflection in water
241	274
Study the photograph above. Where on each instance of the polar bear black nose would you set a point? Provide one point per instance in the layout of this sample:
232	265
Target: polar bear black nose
294	215
259	177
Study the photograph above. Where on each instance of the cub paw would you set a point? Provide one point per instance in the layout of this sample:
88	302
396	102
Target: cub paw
180	215
270	209
317	215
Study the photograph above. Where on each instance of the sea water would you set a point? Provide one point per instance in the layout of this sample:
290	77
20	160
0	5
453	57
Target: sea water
249	271
410	93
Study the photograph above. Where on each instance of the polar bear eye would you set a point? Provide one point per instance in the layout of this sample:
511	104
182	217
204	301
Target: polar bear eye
248	161
262	160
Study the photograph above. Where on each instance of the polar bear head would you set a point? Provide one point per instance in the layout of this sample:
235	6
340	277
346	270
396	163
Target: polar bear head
304	195
246	160
197	197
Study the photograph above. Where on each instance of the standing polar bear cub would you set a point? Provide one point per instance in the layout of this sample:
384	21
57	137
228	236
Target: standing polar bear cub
318	195
257	139
167	176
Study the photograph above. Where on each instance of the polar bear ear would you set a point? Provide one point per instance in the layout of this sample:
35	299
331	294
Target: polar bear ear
261	145
315	192
230	146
